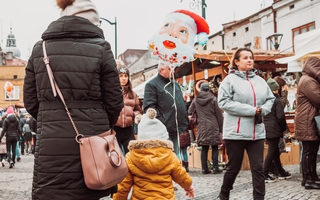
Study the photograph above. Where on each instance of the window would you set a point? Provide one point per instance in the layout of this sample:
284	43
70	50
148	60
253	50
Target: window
234	34
13	95
247	29
291	7
15	76
302	29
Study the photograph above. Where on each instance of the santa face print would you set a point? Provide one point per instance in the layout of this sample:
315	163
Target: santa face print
175	30
123	79
171	44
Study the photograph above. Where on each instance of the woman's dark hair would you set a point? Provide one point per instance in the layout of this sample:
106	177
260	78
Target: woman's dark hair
130	91
281	82
236	56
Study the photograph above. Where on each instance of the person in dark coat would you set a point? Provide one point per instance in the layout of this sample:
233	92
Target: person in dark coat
85	70
275	124
308	106
171	108
12	131
210	122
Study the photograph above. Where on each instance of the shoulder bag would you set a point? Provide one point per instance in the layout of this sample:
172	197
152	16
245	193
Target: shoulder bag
184	139
102	161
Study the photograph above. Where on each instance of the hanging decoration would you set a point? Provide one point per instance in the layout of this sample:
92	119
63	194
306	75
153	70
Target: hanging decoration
9	88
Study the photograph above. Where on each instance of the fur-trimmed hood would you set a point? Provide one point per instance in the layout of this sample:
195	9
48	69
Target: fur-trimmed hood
150	156
146	144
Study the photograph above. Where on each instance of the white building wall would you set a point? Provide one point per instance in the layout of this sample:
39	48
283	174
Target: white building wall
261	26
304	12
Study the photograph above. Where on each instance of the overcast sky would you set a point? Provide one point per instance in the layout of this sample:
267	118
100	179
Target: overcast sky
137	20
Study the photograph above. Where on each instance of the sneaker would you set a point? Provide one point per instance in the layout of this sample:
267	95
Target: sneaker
269	179
284	175
11	165
18	159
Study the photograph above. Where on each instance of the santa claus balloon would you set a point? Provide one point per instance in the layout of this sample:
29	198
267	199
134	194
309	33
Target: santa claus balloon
173	43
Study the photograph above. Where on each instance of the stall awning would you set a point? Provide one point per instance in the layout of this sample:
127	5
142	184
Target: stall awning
305	45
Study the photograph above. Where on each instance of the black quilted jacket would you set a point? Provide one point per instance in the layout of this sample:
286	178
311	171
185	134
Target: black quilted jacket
85	70
11	127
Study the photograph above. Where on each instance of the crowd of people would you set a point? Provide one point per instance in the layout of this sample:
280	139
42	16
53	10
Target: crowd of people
17	137
247	112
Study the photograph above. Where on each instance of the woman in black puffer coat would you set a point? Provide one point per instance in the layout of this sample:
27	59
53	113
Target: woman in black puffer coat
12	131
275	124
85	70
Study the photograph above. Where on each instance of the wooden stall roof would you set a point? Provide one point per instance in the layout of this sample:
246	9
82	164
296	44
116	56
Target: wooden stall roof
208	64
203	60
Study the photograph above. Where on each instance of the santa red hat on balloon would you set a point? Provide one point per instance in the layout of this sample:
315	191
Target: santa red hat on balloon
173	43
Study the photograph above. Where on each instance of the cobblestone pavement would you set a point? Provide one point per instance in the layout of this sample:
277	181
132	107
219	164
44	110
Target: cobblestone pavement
16	183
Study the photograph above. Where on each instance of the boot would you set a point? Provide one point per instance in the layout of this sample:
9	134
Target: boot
224	195
186	165
314	175
311	184
303	182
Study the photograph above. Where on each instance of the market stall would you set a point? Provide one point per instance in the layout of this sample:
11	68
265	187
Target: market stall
213	68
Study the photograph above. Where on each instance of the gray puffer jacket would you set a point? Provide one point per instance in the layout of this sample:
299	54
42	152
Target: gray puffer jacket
85	70
240	93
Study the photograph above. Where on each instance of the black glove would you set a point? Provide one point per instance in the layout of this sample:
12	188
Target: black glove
258	119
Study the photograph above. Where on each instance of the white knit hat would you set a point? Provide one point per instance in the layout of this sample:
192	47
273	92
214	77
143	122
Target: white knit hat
81	8
151	128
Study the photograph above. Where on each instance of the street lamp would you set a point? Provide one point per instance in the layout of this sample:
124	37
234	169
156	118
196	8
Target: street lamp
276	39
115	32
197	4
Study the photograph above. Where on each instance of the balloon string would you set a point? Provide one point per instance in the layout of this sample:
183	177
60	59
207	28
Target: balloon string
175	108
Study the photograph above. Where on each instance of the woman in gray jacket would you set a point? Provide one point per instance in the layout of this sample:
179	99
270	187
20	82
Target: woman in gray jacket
245	98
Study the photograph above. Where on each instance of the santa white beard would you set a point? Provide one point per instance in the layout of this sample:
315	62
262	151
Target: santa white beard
172	57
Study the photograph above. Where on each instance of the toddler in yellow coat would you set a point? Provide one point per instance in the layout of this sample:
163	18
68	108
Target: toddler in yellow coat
153	166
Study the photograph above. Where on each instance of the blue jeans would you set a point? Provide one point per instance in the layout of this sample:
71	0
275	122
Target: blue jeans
184	153
17	151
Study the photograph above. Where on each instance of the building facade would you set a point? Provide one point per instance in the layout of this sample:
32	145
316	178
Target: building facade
12	74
